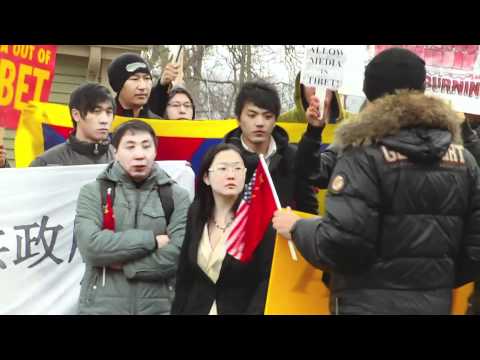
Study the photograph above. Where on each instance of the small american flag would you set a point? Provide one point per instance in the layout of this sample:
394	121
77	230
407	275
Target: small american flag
253	215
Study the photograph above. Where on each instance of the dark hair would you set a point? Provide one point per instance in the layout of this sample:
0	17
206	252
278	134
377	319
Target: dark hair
86	98
203	193
260	93
132	125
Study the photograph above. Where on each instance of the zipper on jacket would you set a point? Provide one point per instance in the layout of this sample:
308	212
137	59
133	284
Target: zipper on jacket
95	150
137	205
91	293
133	300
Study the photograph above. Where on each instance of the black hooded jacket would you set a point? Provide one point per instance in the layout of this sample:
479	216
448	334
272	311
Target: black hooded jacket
402	223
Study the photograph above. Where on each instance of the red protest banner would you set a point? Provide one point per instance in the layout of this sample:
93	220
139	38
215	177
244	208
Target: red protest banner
26	74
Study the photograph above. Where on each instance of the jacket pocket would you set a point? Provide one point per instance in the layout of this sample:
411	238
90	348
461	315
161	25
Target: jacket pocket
155	219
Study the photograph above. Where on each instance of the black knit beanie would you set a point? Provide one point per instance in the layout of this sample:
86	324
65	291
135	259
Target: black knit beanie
179	89
123	67
391	70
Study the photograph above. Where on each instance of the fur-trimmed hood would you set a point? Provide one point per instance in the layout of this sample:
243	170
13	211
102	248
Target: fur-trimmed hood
395	115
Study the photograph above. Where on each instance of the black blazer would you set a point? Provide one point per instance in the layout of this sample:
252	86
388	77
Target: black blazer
241	287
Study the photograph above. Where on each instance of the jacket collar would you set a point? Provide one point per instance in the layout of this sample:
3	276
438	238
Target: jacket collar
279	135
272	148
86	148
129	112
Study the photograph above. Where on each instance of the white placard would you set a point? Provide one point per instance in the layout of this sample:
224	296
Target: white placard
323	66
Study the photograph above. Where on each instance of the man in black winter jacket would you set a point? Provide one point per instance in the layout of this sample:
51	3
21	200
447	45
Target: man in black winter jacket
92	109
257	108
402	225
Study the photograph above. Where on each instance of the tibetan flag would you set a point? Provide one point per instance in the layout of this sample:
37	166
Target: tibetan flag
43	125
253	215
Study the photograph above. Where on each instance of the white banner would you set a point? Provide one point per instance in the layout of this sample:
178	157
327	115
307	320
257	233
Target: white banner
336	67
40	268
453	72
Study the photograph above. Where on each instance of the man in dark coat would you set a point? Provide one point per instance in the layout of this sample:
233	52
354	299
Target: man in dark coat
402	225
92	109
257	108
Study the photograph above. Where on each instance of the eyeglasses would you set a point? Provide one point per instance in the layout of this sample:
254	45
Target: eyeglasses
178	105
222	169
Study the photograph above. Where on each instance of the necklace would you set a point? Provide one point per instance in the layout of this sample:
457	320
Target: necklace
223	228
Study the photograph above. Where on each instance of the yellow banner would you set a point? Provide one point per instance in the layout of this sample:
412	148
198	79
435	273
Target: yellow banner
296	287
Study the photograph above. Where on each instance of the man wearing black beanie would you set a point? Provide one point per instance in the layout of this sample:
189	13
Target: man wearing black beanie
401	228
391	70
129	76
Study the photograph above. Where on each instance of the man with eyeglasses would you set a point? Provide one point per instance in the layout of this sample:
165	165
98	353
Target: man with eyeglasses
180	105
129	76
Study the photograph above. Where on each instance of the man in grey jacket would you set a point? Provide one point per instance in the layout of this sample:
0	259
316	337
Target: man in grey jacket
129	248
92	109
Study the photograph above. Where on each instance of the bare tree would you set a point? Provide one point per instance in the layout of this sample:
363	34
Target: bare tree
214	73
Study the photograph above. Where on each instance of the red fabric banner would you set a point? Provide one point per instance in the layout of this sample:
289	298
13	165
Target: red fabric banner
26	74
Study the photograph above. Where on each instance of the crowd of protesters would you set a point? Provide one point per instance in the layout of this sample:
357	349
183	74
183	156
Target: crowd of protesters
402	223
